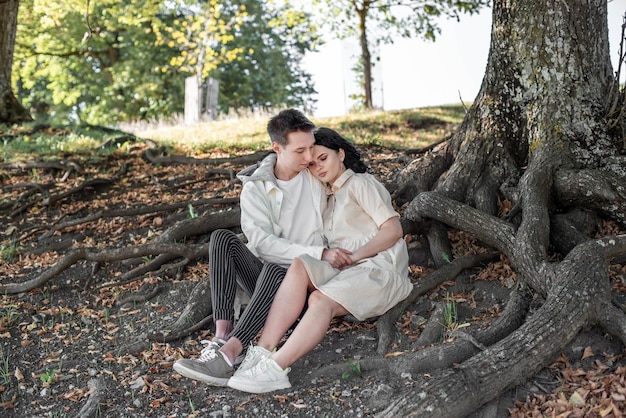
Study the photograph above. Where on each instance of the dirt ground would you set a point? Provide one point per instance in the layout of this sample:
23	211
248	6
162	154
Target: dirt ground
70	340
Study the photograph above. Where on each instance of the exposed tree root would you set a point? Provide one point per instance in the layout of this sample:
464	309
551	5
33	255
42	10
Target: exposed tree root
175	336
91	408
143	210
140	298
385	324
94	254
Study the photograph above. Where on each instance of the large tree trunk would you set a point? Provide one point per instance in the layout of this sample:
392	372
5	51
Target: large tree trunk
541	134
11	111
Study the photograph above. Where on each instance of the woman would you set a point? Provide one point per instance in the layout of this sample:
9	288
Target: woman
372	277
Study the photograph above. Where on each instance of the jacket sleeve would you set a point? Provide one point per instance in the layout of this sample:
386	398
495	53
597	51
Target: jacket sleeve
259	224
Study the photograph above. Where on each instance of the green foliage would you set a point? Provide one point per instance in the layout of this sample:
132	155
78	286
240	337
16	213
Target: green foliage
268	73
109	61
386	19
355	369
47	377
192	212
9	250
27	141
449	312
5	372
450	317
96	61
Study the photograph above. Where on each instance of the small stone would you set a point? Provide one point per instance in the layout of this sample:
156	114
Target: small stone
139	383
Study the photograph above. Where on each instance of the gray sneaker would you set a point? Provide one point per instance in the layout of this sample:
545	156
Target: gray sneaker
266	376
211	367
253	356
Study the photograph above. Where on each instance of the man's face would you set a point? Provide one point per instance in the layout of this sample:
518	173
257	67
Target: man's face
295	156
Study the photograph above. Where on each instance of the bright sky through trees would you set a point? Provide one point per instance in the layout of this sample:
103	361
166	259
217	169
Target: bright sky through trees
416	73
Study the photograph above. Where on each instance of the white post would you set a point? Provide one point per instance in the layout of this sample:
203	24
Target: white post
192	100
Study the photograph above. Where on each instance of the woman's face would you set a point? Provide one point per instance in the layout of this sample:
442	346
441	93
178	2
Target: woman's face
327	164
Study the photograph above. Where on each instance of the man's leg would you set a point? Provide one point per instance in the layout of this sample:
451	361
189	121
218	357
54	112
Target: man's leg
253	317
230	263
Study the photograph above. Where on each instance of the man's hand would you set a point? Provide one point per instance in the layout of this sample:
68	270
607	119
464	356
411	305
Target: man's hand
337	257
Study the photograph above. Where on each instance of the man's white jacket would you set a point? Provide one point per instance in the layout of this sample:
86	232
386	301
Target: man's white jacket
260	203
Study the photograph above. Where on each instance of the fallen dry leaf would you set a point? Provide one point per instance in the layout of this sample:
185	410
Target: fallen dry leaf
587	353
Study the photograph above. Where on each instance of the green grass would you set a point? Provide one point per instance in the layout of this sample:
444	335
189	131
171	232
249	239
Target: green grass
399	129
5	372
9	250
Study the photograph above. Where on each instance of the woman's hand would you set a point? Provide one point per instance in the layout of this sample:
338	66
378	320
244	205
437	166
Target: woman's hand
337	257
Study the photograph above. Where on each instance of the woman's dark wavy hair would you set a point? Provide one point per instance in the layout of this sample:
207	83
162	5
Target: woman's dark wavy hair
331	139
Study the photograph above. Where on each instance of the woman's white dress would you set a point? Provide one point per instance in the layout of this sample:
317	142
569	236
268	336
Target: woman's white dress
358	206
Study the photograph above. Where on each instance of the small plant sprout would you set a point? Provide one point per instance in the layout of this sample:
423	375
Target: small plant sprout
9	250
5	374
7	316
450	317
191	405
355	369
47	377
192	212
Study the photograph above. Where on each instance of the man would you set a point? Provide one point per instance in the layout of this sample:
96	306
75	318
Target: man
281	205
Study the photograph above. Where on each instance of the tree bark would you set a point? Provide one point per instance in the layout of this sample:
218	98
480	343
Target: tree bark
11	111
539	133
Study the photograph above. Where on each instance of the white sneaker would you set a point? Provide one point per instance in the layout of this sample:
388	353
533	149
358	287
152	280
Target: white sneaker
253	356
266	376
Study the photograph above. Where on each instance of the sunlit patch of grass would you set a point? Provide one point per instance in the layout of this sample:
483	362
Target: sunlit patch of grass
401	129
227	135
29	141
398	129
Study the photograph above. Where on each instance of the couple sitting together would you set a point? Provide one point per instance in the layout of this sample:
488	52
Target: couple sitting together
322	234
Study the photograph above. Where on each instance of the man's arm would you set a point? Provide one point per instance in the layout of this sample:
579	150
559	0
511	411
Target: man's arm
258	223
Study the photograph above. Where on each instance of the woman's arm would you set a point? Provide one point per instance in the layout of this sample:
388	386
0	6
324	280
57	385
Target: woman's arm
388	234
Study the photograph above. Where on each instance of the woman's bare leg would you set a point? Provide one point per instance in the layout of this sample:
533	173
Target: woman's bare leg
287	305
311	329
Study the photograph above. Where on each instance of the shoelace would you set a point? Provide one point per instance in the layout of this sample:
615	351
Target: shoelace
250	357
260	367
209	352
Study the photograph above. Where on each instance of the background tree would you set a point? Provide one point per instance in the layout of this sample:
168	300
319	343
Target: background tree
110	61
376	22
547	133
95	61
268	72
10	109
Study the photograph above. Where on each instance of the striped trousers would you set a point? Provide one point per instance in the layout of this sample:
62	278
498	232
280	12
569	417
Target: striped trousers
232	263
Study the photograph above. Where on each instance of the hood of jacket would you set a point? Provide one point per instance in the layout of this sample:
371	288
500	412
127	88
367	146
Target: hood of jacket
263	170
